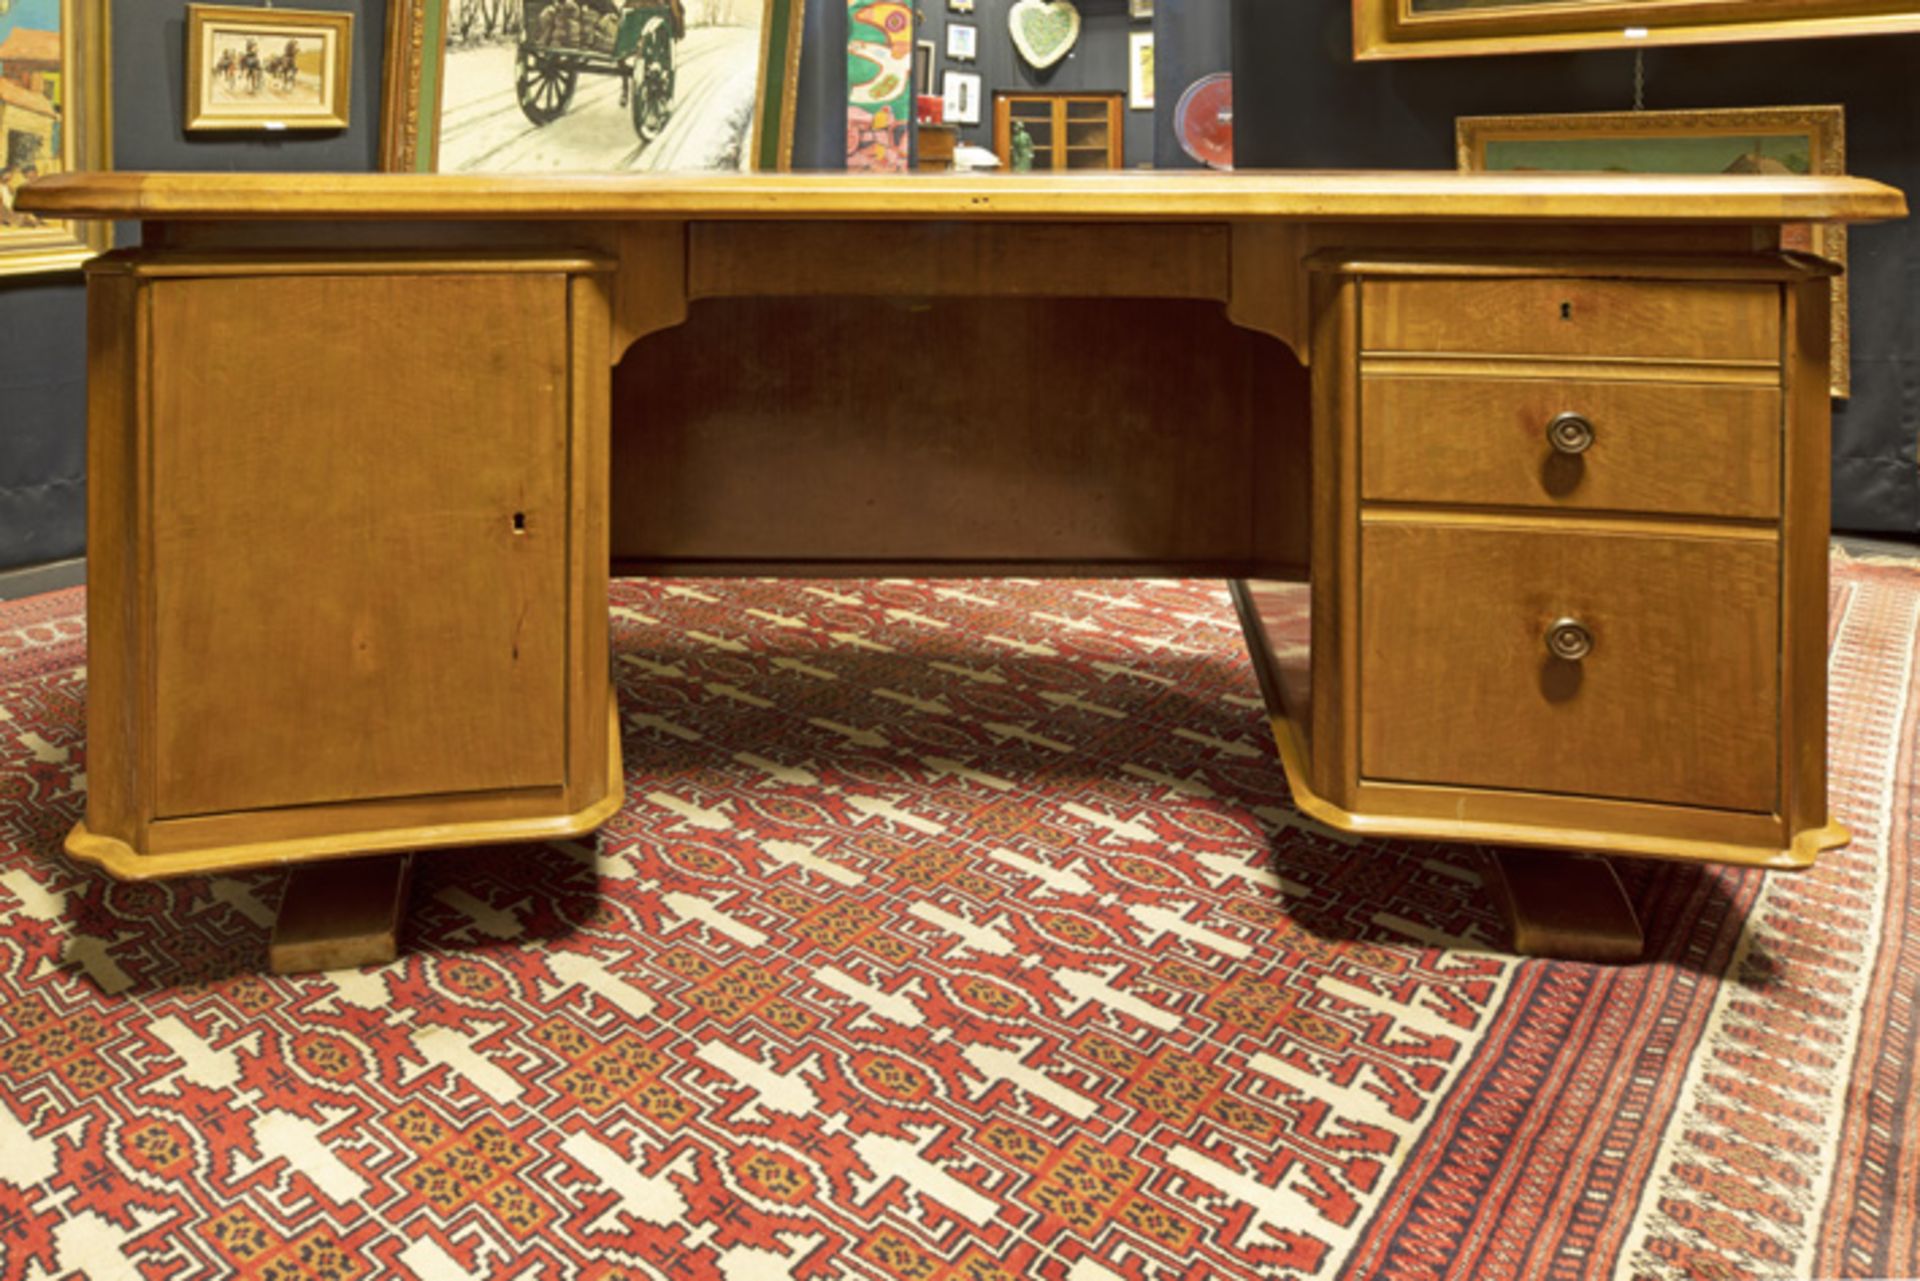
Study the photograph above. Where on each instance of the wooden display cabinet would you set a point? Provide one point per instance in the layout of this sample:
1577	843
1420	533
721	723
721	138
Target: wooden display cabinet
1069	130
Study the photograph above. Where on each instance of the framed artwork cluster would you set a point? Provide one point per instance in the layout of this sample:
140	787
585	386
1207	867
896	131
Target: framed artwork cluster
556	86
960	91
54	118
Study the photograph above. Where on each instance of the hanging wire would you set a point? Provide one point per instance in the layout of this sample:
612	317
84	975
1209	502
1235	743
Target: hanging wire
1639	78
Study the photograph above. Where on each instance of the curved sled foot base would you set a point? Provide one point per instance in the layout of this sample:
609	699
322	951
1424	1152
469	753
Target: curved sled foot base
341	914
1569	908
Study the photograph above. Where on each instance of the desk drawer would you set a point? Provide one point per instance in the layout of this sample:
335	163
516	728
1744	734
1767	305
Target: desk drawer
1681	448
1539	316
1677	700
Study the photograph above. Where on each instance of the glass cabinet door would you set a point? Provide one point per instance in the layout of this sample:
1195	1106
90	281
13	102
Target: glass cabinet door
1037	116
1089	134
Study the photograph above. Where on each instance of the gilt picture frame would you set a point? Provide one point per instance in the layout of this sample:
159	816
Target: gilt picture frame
250	67
445	68
1791	139
1451	28
924	59
55	117
1140	78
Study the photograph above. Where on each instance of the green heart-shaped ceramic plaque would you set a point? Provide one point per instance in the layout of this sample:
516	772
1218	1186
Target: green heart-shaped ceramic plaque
1044	31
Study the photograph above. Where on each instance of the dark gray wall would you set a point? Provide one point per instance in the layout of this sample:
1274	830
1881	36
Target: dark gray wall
149	89
1300	101
1192	38
1098	63
43	409
820	114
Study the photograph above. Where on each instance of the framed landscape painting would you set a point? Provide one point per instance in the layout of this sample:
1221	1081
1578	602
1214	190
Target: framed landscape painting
590	86
53	119
1779	140
1441	28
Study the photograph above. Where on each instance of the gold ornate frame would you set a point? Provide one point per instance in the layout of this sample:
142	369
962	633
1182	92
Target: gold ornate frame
416	47
86	143
1824	127
1394	29
333	115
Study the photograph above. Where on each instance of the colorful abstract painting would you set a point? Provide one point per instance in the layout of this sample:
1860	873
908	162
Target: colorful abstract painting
879	85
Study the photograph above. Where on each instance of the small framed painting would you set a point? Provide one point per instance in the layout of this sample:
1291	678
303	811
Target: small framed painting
962	98
1140	70
255	68
1741	140
963	41
959	6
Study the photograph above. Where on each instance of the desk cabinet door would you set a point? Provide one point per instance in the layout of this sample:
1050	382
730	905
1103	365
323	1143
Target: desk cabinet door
363	595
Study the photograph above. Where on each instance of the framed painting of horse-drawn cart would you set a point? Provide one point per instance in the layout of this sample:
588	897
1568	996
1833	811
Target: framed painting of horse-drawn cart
255	68
518	86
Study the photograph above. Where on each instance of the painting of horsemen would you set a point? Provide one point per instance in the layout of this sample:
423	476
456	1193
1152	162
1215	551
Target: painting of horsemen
601	85
257	68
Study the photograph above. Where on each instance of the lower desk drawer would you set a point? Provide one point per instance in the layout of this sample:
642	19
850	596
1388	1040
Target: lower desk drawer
1674	448
1676	699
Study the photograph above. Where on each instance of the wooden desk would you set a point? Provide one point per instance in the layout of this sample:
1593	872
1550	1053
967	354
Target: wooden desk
1552	452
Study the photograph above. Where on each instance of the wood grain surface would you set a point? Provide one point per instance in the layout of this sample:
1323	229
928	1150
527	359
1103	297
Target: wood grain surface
1678	702
1691	448
392	555
1129	195
1025	432
1701	320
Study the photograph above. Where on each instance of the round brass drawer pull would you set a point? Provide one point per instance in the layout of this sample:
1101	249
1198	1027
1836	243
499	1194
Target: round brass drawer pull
1570	434
1569	638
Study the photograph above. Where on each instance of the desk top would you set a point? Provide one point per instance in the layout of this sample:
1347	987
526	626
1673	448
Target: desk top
1135	196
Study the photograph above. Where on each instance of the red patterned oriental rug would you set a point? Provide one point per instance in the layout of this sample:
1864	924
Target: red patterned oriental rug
956	932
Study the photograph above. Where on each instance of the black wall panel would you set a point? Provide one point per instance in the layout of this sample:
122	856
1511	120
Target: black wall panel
43	407
149	84
1192	38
